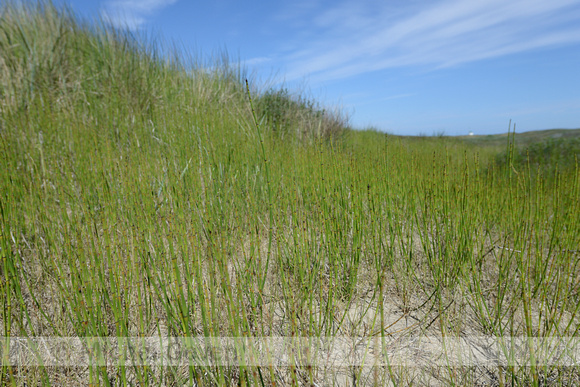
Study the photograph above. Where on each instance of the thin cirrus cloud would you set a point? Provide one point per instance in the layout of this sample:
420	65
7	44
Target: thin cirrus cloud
131	14
353	39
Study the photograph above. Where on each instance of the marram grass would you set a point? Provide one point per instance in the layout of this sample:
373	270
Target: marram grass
140	197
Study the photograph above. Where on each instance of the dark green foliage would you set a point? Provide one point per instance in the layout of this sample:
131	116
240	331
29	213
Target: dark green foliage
547	156
553	152
285	114
275	106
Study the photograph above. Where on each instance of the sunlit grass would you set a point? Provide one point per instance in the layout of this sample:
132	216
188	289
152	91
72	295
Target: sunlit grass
139	197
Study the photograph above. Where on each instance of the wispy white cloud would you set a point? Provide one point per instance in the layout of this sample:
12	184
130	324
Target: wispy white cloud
397	96
356	37
132	14
257	61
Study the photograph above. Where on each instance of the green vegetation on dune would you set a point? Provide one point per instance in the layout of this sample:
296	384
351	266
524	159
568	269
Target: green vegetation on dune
139	198
522	139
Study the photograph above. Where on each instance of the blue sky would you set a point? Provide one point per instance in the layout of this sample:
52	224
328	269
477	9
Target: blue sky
401	66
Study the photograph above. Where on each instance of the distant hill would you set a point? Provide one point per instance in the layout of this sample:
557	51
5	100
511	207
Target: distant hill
522	139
